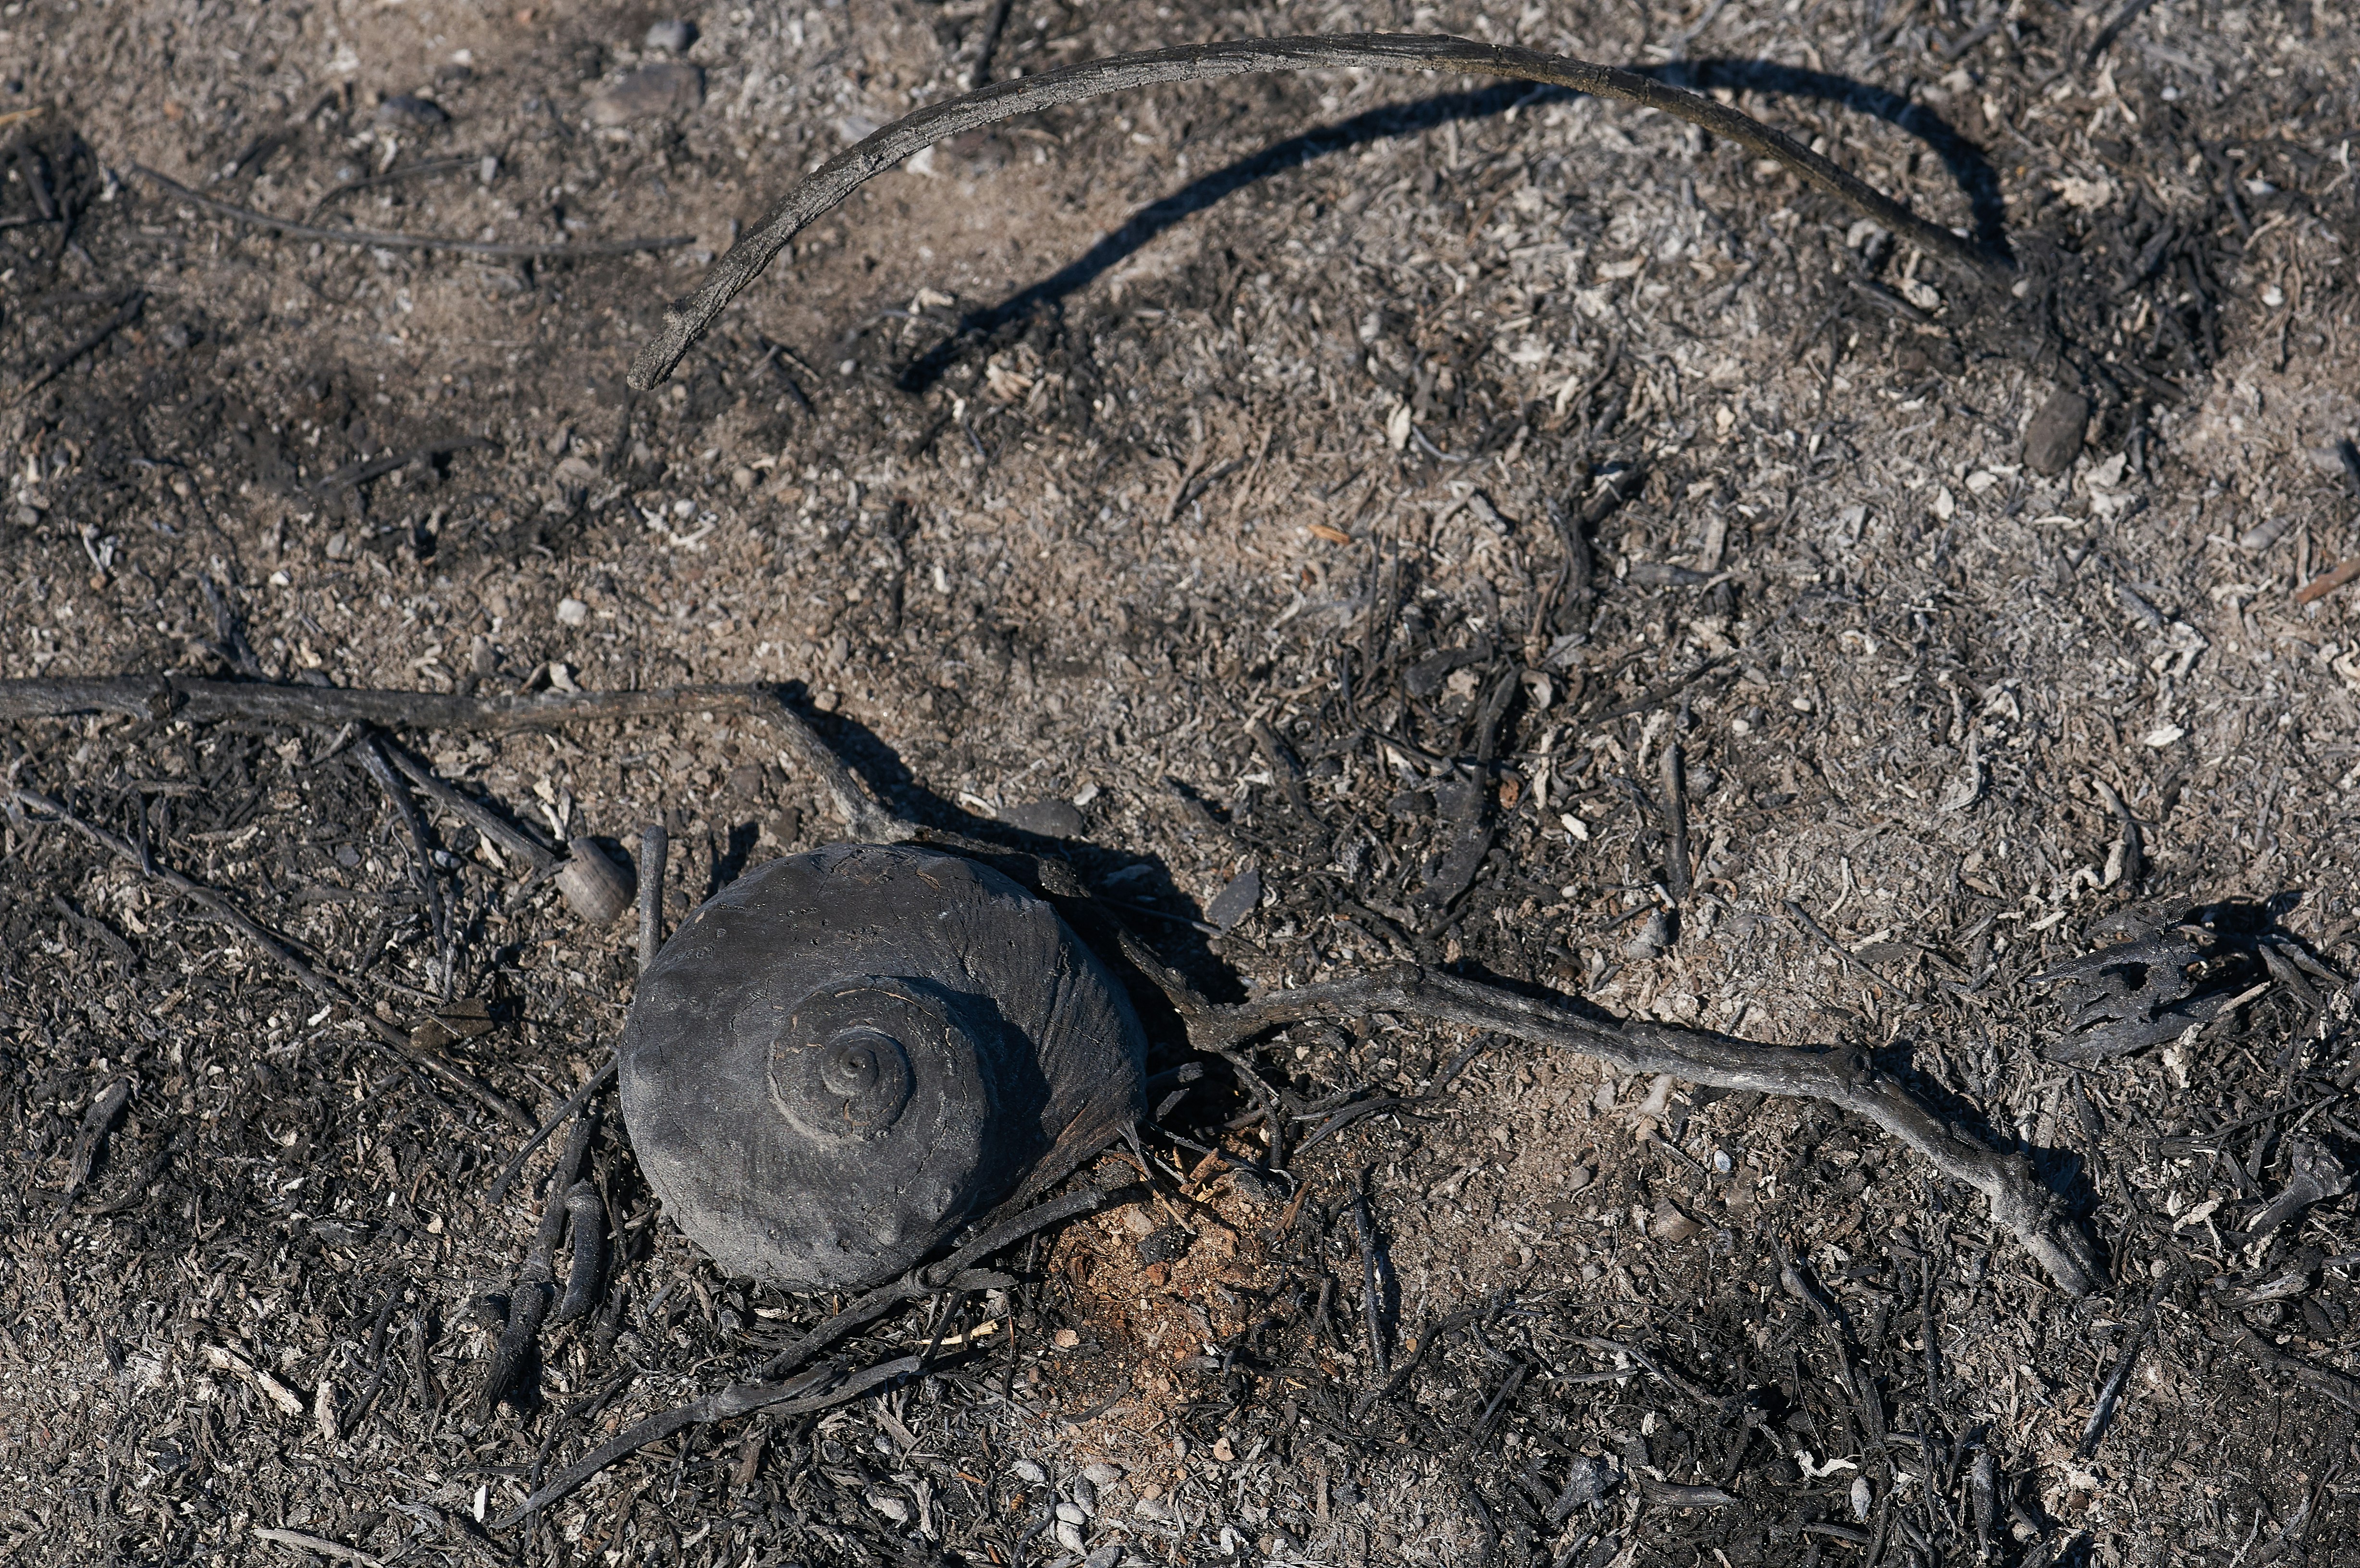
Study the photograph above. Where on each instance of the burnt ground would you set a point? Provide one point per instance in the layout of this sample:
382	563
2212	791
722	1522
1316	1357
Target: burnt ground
1041	473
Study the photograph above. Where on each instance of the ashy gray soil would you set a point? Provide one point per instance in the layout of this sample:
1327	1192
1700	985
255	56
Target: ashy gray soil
1043	471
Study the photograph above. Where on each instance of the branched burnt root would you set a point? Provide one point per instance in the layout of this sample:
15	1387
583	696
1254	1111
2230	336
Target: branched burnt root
1844	1078
687	319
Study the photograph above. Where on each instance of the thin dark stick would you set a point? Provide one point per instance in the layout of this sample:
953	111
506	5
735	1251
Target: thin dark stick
391	177
742	1398
1675	821
981	72
2110	1393
1365	1228
126	314
372	238
201	702
841	175
536	1287
1818	933
654	850
358	1411
311	979
474	813
97	1123
1841	1077
581	1097
355	473
766	1393
2113	31
925	1282
2324	1381
421	863
585	1224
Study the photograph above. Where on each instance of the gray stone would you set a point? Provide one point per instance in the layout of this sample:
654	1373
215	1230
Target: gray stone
667	87
407	109
2053	440
671	37
1050	819
1236	902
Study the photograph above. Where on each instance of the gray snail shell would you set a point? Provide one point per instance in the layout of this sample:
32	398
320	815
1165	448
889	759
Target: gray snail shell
850	1053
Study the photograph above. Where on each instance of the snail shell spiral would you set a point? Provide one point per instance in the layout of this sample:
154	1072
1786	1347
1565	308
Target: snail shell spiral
850	1053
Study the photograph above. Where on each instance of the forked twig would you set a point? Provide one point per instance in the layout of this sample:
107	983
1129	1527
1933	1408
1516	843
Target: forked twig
1844	1078
687	319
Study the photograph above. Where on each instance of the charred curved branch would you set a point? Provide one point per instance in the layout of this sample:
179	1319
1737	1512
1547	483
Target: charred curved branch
1844	1078
687	319
159	697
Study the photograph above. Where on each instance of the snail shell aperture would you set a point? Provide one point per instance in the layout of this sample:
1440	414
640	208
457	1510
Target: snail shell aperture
850	1053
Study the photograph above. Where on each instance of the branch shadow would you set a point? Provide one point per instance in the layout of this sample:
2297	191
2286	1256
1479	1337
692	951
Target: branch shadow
1963	159
1174	933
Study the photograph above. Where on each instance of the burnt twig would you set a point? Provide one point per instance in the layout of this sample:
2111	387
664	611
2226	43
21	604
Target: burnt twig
536	1281
581	1097
1842	1077
1675	821
375	240
796	1398
812	1391
200	702
841	175
474	813
654	850
1365	1228
60	362
89	1148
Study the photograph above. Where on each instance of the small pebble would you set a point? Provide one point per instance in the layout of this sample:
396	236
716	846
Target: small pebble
572	612
1236	902
1165	1245
409	109
664	88
742	477
1071	1514
671	37
1255	1187
1063	1339
1050	819
1025	1469
1102	1473
2053	440
1861	1498
1652	939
